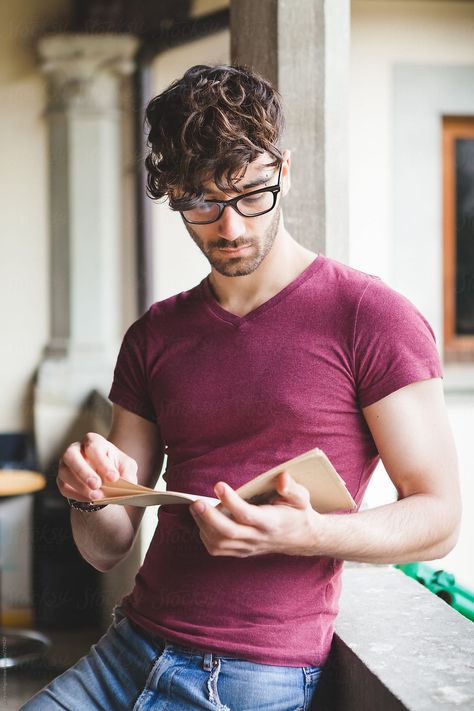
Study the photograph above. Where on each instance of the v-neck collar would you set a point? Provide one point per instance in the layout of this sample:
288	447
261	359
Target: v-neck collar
236	320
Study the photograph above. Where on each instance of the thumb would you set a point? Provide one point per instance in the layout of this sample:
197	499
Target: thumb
291	492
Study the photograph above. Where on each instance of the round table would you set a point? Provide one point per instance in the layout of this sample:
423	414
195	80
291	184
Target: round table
20	646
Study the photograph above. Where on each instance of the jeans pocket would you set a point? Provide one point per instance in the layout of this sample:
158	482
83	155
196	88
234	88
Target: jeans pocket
311	678
238	684
212	682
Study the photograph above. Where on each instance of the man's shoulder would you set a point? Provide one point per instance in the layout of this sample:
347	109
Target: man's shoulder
176	303
346	274
167	313
343	284
369	288
364	297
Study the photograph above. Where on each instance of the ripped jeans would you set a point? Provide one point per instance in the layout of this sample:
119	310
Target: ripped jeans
131	670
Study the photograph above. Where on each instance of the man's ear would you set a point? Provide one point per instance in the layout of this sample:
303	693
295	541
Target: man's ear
285	172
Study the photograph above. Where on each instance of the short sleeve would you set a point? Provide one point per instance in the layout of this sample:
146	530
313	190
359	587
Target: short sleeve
394	345
130	383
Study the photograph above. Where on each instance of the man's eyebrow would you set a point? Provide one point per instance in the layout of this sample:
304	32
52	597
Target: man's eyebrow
255	183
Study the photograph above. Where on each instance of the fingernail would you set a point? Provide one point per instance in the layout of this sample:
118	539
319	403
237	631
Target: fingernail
95	495
111	474
219	489
93	482
199	507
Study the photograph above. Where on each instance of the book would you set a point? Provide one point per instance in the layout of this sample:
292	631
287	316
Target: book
312	469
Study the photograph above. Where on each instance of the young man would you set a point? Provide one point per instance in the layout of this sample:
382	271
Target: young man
277	351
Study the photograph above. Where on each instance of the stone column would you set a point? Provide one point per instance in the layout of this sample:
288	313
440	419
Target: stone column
85	75
303	48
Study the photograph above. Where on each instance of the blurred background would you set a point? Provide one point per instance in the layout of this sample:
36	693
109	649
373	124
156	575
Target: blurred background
388	143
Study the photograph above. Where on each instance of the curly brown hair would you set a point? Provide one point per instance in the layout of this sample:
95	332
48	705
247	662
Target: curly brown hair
209	125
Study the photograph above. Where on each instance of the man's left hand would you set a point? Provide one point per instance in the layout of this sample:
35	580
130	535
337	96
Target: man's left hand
289	525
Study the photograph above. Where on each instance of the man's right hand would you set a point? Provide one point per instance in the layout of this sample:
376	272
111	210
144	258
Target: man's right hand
133	451
85	465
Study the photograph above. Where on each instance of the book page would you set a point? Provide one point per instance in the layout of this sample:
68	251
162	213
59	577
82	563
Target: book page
312	469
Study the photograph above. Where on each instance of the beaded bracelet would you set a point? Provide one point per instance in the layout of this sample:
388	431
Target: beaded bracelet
85	505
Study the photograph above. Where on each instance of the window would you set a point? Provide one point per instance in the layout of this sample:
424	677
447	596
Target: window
458	229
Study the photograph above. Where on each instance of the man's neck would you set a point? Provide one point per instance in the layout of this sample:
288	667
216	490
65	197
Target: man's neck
282	265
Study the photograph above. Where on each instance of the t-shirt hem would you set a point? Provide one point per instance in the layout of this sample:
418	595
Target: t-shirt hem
398	382
185	642
129	404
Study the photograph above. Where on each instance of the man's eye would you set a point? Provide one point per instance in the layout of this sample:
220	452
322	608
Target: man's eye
253	199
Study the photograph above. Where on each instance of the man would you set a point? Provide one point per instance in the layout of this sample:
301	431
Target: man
277	351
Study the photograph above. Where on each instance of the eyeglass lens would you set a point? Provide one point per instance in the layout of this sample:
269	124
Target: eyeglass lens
247	206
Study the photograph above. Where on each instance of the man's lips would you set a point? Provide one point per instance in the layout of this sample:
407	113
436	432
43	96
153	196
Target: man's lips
234	251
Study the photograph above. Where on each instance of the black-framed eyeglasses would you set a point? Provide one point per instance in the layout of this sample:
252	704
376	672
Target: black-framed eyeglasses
252	204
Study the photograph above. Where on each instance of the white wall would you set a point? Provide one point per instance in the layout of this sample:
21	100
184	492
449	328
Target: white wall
385	33
24	254
461	560
392	233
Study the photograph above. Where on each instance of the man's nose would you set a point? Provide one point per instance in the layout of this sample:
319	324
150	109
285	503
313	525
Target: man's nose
230	224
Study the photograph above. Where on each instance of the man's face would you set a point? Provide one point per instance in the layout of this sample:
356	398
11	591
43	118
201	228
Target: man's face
235	245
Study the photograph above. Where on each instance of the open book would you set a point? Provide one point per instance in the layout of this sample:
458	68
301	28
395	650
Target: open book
311	469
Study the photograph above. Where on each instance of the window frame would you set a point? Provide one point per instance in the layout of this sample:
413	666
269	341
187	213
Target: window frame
456	348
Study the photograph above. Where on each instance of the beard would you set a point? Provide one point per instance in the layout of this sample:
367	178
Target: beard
234	266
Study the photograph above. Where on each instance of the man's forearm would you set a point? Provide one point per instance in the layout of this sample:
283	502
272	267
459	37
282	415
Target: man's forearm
103	537
418	527
414	528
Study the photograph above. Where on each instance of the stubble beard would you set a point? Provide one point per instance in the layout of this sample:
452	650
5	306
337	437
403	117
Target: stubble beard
226	264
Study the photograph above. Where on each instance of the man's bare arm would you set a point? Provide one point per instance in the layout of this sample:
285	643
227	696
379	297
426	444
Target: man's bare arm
132	450
411	430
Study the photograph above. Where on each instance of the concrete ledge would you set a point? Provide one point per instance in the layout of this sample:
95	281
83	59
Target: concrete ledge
397	646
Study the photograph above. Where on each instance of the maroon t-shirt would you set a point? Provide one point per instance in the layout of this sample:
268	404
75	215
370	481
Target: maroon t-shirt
234	396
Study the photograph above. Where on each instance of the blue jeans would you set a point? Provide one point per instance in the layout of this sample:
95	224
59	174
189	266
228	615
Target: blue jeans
131	670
